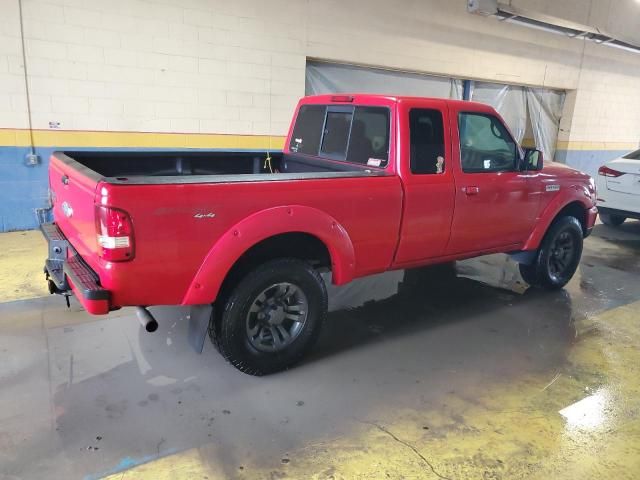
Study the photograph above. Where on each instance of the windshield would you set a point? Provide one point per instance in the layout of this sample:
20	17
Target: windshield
633	155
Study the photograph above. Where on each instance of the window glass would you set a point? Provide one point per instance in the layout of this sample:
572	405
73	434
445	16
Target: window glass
485	144
328	131
633	155
427	141
336	133
369	141
308	130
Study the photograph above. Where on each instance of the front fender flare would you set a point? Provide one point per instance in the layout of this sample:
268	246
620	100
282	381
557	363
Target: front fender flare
264	224
569	195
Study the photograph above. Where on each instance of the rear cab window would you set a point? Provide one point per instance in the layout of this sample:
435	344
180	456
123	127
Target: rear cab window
354	134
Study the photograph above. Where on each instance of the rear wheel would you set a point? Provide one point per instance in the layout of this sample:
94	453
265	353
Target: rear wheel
272	317
558	257
611	219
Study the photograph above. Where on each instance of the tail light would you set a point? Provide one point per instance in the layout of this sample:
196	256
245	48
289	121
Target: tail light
609	172
114	230
342	98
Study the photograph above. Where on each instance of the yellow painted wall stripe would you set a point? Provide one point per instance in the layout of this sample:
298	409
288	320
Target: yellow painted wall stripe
69	138
564	145
87	138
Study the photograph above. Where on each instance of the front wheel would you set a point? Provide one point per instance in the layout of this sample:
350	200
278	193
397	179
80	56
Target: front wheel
558	257
272	317
611	219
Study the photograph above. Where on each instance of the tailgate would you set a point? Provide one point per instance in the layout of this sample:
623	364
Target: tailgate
73	195
630	181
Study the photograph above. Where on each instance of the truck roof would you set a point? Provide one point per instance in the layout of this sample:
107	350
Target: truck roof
369	98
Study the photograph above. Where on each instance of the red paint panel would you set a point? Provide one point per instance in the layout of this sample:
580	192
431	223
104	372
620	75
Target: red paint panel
491	209
172	244
428	198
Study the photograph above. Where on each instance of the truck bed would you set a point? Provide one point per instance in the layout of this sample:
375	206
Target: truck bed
180	213
205	167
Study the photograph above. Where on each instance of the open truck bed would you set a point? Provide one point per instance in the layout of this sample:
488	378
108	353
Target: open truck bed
178	205
203	167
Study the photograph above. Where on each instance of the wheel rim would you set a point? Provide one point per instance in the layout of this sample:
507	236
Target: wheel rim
276	317
562	254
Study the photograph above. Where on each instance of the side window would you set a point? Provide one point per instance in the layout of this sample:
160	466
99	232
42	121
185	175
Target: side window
308	130
336	133
485	144
369	141
427	141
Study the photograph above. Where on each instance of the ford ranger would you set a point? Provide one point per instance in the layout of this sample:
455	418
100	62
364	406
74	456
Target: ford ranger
365	184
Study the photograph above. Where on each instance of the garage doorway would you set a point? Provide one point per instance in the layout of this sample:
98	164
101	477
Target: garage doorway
532	114
323	78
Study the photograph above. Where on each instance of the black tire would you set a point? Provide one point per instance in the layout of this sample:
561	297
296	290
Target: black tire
611	219
229	331
528	274
558	257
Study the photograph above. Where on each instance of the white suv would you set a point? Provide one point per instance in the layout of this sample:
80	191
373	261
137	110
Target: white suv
618	185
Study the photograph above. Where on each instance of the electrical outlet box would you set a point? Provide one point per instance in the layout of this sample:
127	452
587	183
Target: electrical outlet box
31	159
482	7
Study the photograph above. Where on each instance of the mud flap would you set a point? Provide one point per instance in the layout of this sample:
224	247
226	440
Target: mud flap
199	317
526	257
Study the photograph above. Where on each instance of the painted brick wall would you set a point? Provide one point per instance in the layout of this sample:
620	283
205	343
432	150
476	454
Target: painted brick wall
152	66
237	67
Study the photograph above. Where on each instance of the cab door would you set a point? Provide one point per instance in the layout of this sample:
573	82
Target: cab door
495	203
427	176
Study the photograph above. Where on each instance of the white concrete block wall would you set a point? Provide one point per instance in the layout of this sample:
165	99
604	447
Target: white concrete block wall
13	113
214	66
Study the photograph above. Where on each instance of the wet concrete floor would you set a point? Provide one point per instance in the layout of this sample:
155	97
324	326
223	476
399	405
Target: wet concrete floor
461	374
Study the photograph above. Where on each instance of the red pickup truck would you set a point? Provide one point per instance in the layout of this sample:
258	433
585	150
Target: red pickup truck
365	184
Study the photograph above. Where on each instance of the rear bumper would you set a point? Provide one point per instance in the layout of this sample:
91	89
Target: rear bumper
69	273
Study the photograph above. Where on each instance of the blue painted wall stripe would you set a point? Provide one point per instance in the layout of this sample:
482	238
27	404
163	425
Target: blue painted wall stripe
24	190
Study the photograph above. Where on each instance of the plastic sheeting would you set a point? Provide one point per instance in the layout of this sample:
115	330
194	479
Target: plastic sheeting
324	78
537	108
509	101
545	111
517	105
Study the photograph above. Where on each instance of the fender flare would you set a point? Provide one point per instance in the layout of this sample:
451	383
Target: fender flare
569	195
250	231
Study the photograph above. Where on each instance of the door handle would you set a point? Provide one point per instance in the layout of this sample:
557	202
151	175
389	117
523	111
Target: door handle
471	190
65	179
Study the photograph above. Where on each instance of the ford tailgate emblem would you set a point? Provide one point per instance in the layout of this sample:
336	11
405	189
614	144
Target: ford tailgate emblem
67	210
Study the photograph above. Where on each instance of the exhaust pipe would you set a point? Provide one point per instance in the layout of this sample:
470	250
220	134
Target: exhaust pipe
146	319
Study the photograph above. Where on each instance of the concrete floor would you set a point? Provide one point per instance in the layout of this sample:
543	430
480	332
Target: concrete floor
457	376
21	255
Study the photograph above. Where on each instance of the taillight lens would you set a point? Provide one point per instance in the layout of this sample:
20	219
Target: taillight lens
609	172
114	231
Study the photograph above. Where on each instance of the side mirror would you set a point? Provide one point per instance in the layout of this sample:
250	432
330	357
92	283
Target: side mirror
532	159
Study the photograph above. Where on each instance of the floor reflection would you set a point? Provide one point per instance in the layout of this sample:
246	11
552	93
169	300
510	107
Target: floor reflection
461	360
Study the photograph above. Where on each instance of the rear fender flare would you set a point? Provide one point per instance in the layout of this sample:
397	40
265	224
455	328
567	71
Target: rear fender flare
575	193
264	224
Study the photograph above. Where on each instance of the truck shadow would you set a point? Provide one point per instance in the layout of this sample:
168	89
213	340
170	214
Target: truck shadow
441	299
463	330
